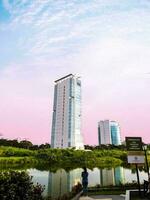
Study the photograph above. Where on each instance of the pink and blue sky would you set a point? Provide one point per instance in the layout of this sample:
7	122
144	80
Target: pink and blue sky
106	42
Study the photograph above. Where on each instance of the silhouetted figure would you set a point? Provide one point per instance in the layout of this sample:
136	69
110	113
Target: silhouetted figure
85	180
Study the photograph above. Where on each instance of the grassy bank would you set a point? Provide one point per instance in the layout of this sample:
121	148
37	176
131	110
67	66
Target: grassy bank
14	151
62	158
55	158
17	160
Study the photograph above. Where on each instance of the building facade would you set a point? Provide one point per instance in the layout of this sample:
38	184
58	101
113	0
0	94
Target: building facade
115	133
109	132
66	122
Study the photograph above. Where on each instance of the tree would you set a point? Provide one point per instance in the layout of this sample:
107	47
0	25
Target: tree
44	146
25	144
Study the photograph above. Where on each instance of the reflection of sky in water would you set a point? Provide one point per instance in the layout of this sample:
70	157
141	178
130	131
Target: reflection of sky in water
40	177
62	182
130	176
94	177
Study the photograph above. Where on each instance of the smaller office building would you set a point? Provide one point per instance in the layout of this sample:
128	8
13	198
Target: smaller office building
109	132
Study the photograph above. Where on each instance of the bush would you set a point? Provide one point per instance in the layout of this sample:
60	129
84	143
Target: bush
16	185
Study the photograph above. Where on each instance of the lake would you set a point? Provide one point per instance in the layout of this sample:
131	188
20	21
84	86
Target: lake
61	182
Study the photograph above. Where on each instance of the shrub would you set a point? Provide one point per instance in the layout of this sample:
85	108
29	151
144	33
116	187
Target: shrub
16	185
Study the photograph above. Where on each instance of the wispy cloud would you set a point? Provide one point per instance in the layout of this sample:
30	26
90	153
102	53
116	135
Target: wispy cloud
106	42
43	24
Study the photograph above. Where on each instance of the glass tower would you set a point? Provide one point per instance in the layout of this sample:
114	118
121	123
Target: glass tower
115	133
109	132
66	122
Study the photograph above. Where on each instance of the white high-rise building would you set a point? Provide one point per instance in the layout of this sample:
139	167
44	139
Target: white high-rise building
109	132
66	123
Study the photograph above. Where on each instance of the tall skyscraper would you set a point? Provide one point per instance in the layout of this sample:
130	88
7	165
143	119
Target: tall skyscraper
66	123
109	132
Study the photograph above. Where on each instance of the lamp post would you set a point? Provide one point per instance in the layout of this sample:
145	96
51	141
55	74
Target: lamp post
145	151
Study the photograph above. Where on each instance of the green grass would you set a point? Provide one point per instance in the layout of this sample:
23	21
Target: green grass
17	160
13	151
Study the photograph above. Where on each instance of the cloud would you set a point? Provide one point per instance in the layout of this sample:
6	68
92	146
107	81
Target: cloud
106	42
43	25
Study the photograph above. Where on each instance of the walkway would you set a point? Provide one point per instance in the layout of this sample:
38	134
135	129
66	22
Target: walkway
104	197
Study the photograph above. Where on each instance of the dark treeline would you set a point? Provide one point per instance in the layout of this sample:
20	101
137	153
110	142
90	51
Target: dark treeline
25	144
111	146
106	147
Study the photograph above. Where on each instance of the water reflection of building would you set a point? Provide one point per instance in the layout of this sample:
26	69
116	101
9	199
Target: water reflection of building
111	176
61	182
119	175
106	177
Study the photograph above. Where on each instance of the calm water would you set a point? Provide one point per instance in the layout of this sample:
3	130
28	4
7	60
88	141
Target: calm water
61	182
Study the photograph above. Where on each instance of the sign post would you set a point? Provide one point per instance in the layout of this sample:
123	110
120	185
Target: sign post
135	154
138	179
134	143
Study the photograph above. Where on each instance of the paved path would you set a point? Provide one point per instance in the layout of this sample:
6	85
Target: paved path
104	197
89	198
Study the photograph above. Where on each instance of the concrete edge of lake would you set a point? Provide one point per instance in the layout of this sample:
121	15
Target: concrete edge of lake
77	196
136	191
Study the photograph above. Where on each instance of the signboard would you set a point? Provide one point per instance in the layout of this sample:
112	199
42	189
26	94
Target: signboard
134	153
134	143
134	148
136	159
